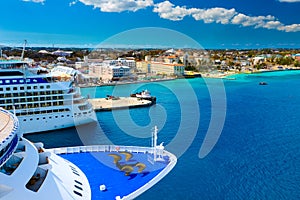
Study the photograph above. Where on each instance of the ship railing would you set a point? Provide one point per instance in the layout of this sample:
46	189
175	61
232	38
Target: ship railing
12	147
109	148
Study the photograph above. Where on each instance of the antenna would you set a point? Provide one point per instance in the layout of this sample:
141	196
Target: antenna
22	56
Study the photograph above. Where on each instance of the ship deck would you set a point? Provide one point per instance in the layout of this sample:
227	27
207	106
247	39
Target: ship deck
109	168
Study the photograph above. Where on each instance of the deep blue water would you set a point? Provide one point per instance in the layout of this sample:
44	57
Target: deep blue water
257	155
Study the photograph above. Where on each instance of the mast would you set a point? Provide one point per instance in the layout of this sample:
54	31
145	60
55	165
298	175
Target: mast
22	56
154	142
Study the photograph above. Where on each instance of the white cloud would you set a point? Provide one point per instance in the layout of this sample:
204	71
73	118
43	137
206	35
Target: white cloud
256	21
289	1
218	15
118	5
167	10
72	3
35	1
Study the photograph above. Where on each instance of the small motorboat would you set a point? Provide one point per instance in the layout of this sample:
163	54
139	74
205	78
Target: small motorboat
263	83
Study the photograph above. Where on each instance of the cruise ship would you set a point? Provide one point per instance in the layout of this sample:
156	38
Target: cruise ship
40	100
29	171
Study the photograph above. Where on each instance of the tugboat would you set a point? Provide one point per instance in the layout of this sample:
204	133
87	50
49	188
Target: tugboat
146	95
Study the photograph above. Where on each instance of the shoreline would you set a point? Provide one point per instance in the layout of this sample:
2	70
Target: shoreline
123	83
226	76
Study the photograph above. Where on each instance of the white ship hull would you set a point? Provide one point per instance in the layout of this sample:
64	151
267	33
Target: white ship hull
49	122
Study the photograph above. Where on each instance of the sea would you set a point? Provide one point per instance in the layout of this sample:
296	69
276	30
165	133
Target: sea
234	138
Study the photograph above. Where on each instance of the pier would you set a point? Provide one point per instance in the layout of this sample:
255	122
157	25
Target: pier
115	103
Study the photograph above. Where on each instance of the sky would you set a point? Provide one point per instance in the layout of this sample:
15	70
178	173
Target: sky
209	24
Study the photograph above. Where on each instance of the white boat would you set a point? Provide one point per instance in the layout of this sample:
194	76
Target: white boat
29	171
41	101
145	94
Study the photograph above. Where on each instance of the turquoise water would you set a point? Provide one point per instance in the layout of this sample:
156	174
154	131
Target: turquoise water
257	155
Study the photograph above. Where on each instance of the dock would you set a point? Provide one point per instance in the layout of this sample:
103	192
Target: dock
108	104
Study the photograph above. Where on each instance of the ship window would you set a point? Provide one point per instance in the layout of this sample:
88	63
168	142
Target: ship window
42	87
76	173
21	81
15	94
15	88
79	194
48	86
55	110
54	103
35	99
68	115
44	111
1	89
8	89
42	98
78	182
7	81
50	117
37	118
24	120
35	87
35	93
44	117
61	110
31	119
8	101
14	81
56	116
36	112
2	101
22	94
80	188
22	88
28	87
49	111
62	116
1	95
42	93
8	95
48	92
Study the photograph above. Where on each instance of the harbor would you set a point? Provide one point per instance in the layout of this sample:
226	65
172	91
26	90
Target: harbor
115	103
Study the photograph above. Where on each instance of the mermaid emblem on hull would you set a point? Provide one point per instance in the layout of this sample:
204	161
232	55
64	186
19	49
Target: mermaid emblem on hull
128	168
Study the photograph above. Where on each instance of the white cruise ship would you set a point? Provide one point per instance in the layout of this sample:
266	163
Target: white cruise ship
29	171
41	101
